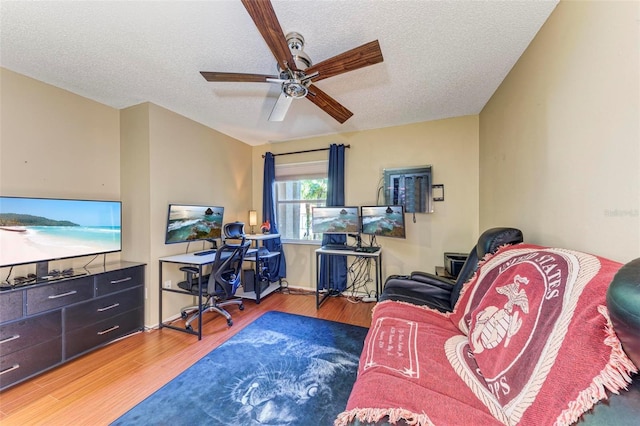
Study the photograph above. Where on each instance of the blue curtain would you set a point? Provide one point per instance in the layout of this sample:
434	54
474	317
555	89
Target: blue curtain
277	265
333	269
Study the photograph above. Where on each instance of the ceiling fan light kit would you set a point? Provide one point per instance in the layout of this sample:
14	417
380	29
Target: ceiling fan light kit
295	68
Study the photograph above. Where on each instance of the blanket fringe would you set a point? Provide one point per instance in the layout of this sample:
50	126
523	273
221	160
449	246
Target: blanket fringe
614	377
393	416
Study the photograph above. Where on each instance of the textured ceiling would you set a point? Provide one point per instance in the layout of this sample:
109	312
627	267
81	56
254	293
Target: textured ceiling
441	58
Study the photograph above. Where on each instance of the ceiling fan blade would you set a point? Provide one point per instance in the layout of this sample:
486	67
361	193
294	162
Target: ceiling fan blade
263	15
280	108
363	56
236	77
328	104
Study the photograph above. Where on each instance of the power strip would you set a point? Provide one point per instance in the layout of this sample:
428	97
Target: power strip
369	299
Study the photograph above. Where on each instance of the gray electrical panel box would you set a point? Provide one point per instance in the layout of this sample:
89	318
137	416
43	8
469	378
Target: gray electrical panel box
410	187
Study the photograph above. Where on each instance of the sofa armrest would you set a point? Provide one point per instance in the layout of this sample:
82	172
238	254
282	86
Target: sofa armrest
623	303
431	279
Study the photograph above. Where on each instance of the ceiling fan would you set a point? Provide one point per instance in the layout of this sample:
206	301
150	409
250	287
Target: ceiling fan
296	72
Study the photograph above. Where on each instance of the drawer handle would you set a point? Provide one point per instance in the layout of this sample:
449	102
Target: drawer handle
8	339
55	296
121	281
106	308
13	367
108	330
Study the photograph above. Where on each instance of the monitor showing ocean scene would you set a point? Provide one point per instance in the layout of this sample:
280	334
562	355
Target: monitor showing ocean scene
335	220
385	221
186	223
41	229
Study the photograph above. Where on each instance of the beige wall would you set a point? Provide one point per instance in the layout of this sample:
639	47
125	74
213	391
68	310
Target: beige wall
559	140
172	159
48	139
57	144
450	146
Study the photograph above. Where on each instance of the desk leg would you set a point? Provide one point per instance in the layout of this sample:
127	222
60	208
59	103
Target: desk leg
160	298
200	302
324	265
378	276
256	278
317	281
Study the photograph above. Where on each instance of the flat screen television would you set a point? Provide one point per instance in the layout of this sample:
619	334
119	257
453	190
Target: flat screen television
335	220
189	223
384	221
37	230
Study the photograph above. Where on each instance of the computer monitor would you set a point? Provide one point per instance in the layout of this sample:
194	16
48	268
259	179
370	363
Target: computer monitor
188	223
384	221
335	220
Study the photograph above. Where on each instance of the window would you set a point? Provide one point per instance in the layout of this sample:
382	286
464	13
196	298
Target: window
298	188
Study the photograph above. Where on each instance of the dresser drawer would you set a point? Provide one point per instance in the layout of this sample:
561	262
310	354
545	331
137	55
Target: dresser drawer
119	280
21	334
103	308
20	365
11	304
51	296
83	339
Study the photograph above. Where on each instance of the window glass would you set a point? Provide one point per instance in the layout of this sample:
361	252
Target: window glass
298	188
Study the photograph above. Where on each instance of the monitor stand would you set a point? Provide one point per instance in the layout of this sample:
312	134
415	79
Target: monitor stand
358	239
42	270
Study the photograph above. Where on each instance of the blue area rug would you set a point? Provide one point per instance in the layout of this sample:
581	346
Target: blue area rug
282	369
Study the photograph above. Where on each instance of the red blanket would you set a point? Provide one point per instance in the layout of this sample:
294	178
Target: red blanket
404	372
530	342
540	347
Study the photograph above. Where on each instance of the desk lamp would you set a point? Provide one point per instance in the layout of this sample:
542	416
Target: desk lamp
253	219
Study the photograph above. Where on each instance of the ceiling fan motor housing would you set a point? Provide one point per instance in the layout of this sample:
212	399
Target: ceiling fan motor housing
296	84
296	44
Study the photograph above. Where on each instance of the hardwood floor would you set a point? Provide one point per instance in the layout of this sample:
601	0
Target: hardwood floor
99	387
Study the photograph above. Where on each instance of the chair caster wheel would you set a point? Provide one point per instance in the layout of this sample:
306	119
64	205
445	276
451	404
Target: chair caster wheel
229	322
189	327
241	307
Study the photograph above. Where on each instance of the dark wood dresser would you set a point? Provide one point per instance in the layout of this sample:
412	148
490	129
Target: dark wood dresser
46	324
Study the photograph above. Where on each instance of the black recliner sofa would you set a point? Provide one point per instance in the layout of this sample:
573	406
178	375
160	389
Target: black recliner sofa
422	288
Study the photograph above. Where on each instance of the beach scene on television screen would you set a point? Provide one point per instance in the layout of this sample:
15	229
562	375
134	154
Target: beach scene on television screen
191	223
336	220
32	230
387	221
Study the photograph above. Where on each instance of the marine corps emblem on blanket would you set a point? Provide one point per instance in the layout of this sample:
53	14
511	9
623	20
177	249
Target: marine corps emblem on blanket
517	323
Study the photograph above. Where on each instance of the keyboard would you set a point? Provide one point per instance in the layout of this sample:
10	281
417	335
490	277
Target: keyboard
367	249
204	252
337	247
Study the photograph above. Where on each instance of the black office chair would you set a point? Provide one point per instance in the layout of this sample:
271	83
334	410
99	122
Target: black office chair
224	278
423	288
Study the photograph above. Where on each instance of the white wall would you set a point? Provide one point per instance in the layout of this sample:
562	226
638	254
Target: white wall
560	140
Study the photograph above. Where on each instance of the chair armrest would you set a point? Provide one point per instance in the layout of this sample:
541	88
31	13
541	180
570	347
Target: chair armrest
431	279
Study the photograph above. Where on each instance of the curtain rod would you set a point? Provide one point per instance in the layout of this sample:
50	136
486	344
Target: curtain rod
304	152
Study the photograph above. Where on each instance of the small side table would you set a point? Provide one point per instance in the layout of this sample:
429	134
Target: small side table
258	241
441	272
